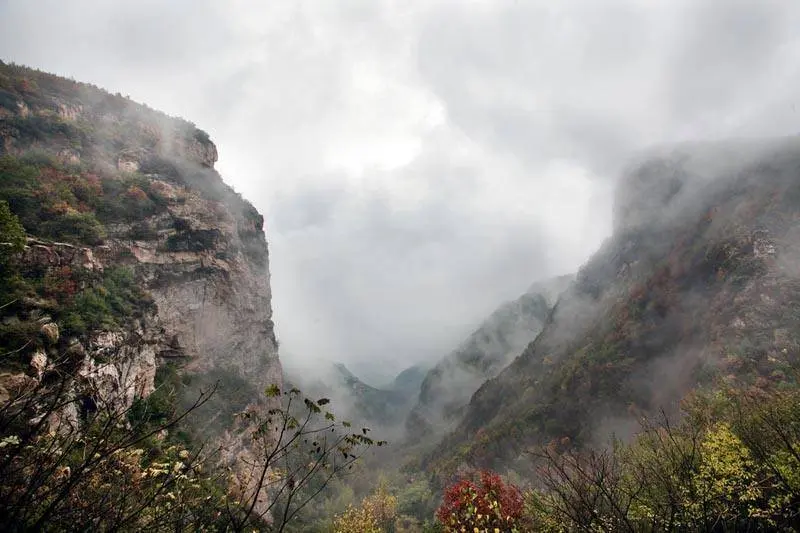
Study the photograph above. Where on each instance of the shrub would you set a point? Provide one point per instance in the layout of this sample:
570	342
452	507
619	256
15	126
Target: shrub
161	405
18	187
107	304
8	100
376	514
60	284
50	202
129	200
80	228
731	465
485	504
12	234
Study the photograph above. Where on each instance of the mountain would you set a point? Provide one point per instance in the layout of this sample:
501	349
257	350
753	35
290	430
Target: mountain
382	406
409	380
141	264
379	407
697	286
447	387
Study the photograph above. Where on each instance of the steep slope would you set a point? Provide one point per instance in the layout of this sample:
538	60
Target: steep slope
144	265
698	285
409	380
448	386
379	407
385	407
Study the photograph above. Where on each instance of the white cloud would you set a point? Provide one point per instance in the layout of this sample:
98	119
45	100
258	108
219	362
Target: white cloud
419	162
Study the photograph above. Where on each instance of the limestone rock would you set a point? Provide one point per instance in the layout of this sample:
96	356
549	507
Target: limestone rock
50	332
201	260
39	362
68	111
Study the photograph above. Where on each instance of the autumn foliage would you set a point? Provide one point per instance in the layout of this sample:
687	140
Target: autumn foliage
483	504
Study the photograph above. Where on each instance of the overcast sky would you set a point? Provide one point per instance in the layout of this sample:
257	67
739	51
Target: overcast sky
418	163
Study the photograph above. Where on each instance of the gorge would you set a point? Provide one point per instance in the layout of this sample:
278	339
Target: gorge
137	280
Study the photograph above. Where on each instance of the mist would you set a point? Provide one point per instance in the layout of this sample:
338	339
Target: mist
418	163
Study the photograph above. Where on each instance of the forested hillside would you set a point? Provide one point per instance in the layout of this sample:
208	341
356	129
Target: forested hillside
696	295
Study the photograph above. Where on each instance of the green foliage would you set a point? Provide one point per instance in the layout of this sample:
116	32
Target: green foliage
731	465
46	200
47	128
162	404
90	311
100	473
415	499
114	470
201	136
301	451
106	305
67	205
129	198
18	187
12	236
376	514
233	393
73	227
142	231
9	101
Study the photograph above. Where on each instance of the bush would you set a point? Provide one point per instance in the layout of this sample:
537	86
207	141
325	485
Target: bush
485	504
376	514
36	127
12	234
162	404
129	200
18	187
100	473
79	228
106	305
8	100
49	202
733	464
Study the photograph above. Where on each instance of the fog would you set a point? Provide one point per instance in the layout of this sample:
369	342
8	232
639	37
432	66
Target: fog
418	163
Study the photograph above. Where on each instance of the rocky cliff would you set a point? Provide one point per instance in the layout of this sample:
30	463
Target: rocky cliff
141	263
697	287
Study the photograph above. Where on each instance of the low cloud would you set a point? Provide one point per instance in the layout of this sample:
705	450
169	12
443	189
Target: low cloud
419	163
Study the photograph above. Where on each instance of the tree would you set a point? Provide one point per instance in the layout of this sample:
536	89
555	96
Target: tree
376	514
297	450
12	234
70	461
74	459
732	464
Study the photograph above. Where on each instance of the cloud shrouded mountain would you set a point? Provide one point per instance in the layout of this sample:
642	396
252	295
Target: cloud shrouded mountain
418	163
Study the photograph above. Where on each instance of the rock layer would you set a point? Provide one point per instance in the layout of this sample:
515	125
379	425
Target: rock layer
199	253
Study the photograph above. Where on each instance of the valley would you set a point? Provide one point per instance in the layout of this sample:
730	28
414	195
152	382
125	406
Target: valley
655	389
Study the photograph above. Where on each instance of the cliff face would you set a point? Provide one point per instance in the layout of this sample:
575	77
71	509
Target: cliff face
698	286
139	257
447	387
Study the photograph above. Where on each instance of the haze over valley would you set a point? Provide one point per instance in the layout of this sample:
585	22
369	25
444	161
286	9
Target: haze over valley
400	266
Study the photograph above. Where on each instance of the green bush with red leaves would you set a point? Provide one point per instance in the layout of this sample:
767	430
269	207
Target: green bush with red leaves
485	504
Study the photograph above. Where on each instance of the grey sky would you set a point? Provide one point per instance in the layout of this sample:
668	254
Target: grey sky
420	162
